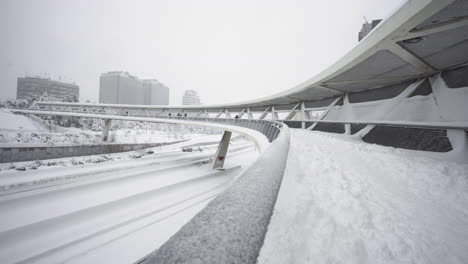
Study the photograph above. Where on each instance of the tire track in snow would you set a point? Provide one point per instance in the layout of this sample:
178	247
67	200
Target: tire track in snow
44	228
97	176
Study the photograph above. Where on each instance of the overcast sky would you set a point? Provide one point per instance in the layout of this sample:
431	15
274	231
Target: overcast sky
228	51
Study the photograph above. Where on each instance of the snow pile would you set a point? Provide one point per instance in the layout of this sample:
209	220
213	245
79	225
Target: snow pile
345	201
12	138
9	121
231	228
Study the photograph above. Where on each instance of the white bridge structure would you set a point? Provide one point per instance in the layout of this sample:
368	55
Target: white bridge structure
404	85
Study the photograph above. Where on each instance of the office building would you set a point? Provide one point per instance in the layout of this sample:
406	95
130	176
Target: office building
122	88
32	88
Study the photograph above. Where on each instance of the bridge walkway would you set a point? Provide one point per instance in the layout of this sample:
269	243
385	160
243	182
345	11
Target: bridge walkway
346	201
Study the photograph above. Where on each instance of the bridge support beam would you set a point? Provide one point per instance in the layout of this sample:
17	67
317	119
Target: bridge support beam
249	114
105	132
220	155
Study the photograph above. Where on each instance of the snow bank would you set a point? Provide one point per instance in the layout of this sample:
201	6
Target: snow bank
232	227
345	201
15	122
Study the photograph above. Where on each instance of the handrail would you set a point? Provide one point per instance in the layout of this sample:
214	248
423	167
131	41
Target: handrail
410	124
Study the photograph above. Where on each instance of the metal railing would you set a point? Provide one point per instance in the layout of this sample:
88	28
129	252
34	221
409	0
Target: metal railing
269	128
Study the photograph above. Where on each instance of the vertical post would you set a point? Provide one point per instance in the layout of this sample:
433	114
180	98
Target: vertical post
105	132
220	155
274	114
249	114
227	113
303	117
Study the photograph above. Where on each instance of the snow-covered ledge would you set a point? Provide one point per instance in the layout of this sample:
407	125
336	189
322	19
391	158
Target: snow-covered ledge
232	227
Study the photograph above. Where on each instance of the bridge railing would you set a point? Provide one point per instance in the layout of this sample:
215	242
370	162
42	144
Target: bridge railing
269	128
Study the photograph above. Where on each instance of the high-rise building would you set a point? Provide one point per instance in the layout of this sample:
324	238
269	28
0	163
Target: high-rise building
122	88
190	97
367	28
158	93
32	88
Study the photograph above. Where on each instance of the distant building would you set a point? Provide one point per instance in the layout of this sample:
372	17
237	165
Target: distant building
158	93
32	88
367	28
190	97
122	88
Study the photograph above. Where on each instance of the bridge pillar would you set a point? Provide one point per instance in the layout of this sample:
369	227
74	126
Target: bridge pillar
105	132
220	155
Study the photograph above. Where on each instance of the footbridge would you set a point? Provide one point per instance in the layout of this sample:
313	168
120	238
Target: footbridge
404	85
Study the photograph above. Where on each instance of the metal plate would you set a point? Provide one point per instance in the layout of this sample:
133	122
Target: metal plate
455	11
441	50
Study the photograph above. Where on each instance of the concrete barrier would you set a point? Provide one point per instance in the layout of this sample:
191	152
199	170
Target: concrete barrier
27	153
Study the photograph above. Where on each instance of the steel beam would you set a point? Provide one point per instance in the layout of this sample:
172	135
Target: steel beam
265	113
219	113
325	112
292	113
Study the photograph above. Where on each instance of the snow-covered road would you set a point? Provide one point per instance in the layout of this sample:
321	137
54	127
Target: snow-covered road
345	201
99	212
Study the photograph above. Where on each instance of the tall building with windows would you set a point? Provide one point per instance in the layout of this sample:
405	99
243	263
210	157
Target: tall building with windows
32	88
191	97
122	88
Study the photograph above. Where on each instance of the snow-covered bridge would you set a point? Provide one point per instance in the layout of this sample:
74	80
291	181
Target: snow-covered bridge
405	85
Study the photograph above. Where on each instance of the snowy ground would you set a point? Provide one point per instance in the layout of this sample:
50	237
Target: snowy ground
110	212
345	201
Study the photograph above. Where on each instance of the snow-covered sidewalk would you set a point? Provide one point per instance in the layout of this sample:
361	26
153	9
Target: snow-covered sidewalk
345	201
